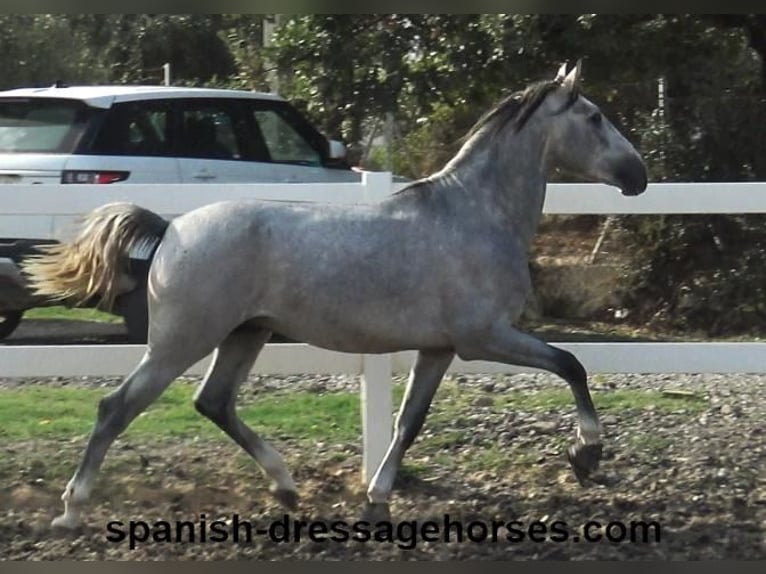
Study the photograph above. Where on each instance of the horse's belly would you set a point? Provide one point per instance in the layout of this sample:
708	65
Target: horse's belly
360	332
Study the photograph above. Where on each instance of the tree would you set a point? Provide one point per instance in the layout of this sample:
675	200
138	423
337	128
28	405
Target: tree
135	46
39	49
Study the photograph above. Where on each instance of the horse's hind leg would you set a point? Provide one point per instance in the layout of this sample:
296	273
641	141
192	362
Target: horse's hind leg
424	379
216	400
115	412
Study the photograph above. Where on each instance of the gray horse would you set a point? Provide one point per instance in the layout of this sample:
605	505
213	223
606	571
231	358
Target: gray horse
440	267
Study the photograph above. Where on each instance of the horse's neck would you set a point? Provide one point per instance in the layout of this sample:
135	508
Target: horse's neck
508	176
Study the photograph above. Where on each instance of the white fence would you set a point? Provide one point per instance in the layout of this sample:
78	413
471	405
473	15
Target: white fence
47	211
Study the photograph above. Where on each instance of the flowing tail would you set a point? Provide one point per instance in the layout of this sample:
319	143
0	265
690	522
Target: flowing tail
95	264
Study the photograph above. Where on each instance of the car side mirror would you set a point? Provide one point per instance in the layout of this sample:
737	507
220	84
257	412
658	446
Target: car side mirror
336	150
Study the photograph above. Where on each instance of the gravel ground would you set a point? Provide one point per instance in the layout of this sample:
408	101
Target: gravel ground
698	472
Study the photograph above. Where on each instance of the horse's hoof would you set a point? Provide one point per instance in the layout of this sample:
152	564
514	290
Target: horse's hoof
66	521
584	459
287	498
376	512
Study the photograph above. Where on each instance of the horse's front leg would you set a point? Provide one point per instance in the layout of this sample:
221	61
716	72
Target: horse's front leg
424	379
502	343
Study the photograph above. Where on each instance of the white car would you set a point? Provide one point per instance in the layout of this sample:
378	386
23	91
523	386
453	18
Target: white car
159	134
149	134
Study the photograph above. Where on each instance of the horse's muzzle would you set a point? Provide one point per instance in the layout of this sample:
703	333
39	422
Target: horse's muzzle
631	176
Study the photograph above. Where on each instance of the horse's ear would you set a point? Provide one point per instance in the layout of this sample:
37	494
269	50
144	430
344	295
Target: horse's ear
562	73
573	78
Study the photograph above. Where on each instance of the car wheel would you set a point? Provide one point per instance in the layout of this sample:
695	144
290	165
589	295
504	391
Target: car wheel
9	320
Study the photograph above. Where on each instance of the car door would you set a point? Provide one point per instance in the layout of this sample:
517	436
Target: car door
213	144
296	151
133	143
246	140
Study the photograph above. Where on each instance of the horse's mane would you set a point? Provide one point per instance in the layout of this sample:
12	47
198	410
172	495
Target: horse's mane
517	108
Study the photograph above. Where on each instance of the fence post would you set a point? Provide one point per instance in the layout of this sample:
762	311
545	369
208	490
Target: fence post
377	417
376	399
376	184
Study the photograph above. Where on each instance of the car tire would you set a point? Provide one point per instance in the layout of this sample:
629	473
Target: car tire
9	320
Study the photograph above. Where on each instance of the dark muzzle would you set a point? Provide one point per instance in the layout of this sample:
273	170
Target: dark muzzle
631	176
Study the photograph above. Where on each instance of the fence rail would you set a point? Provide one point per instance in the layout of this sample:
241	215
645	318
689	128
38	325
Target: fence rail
47	211
42	211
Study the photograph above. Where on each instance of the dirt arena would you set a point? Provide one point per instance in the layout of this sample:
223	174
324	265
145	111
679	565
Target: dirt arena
696	466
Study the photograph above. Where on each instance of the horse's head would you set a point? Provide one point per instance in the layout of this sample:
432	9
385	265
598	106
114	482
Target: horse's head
583	142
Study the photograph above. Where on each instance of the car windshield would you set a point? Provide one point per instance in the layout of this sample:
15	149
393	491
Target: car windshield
35	125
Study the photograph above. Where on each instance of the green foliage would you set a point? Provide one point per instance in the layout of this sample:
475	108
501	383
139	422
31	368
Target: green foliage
427	147
701	273
39	49
353	68
243	34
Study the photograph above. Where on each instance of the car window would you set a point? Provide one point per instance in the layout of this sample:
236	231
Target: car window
41	125
284	143
210	131
136	128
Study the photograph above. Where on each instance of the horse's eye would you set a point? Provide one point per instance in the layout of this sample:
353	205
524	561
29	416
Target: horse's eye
595	118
